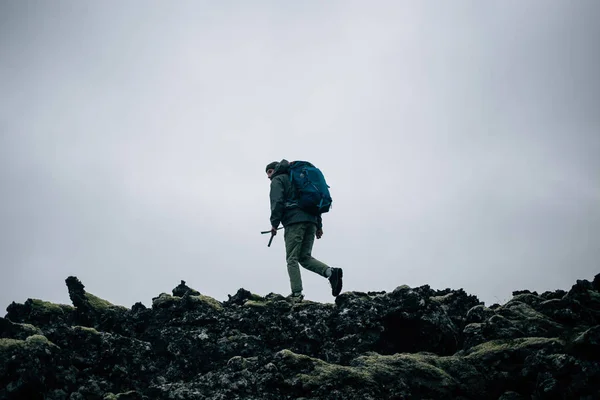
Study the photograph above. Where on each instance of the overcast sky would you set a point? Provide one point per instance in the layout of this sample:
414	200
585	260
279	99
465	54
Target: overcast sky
461	141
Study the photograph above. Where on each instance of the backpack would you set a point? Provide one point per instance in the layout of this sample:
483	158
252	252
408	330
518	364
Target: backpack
312	192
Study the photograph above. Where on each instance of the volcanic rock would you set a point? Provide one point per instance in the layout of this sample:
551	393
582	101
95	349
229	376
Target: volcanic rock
411	343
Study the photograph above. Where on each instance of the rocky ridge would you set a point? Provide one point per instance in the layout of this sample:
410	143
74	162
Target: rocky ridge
411	343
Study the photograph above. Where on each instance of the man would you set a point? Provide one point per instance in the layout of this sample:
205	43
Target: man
301	228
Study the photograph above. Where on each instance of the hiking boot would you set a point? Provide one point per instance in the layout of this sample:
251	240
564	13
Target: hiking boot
336	281
295	297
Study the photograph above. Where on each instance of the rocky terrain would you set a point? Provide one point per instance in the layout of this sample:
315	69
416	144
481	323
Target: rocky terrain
411	343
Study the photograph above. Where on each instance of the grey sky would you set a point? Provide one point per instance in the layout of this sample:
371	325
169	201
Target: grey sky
461	141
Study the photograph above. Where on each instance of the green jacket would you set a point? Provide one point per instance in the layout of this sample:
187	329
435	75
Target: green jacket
281	192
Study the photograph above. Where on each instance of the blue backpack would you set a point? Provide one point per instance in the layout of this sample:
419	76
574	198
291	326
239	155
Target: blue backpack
312	192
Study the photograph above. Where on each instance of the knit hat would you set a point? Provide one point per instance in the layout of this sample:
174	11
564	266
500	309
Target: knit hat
272	165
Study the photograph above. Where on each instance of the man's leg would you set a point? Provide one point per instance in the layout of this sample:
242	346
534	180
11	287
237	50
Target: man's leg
294	235
334	275
305	256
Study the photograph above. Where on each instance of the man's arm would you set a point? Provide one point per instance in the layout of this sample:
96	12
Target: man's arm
277	196
319	226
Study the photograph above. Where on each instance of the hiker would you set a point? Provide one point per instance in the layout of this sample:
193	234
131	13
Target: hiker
300	230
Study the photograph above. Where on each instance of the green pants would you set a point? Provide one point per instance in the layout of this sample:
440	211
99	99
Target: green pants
299	239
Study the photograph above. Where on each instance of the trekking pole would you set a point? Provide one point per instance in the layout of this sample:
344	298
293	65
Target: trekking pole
272	236
263	232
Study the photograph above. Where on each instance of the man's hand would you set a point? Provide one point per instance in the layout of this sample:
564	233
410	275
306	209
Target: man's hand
319	233
273	231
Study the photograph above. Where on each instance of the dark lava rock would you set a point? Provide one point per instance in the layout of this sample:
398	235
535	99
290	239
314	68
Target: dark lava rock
182	289
411	343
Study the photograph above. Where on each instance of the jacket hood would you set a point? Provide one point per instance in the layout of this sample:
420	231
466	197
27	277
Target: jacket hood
282	168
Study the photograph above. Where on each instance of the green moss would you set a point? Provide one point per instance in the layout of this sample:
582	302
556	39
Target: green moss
37	339
5	343
293	358
96	302
86	329
496	346
215	304
326	374
212	302
21	331
126	395
441	299
27	327
424	363
47	307
101	304
165	300
527	298
368	370
256	297
309	303
66	308
33	340
450	363
522	310
419	366
256	301
255	304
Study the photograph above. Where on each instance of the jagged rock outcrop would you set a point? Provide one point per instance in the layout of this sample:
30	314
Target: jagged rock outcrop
415	343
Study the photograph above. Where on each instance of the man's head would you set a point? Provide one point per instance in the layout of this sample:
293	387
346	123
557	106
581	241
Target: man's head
271	167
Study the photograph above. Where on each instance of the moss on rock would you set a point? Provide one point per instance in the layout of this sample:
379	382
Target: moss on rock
442	299
419	365
15	330
527	298
333	375
371	345
502	346
256	297
370	371
86	330
33	340
5	343
255	304
130	395
47	307
165	300
38	339
100	304
215	304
